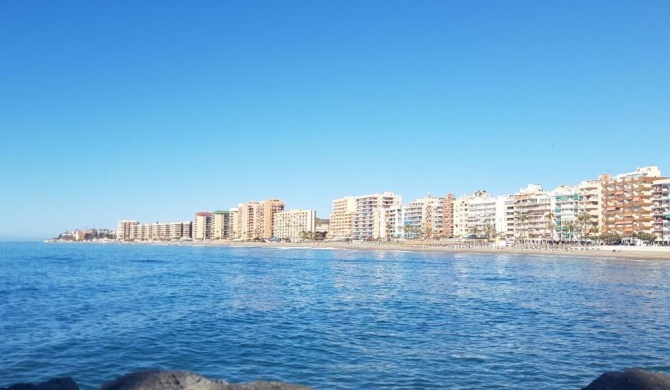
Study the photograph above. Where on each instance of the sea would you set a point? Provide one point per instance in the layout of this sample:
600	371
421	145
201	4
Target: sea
328	318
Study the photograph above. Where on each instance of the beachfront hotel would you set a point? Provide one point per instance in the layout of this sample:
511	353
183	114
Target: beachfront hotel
294	225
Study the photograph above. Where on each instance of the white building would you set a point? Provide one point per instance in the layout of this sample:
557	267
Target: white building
422	218
369	222
661	199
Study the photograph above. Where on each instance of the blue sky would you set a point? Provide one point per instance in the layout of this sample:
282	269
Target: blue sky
154	110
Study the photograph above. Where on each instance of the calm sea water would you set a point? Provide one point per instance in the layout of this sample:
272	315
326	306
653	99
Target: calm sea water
328	318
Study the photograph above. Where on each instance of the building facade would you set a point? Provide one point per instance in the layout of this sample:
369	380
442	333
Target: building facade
661	199
369	222
257	218
342	218
221	225
628	206
295	225
202	225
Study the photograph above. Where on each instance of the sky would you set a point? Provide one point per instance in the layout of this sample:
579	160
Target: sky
155	110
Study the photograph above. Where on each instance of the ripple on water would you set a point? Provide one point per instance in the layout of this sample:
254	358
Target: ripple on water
328	318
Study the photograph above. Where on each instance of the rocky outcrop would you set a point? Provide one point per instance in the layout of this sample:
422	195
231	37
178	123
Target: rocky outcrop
631	379
53	384
179	380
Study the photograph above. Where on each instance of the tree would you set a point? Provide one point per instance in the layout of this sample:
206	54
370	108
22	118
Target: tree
474	230
522	218
610	238
571	227
550	224
584	220
648	238
490	231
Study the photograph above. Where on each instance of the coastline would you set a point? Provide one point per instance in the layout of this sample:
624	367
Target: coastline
617	252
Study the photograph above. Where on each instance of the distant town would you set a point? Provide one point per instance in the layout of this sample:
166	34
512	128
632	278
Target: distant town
629	208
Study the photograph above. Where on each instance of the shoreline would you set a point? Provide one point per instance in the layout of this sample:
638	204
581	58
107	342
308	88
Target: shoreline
618	252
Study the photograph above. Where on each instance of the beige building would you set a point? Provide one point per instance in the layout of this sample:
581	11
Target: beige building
628	205
235	223
202	225
342	218
157	231
448	216
590	202
257	218
123	228
221	226
294	225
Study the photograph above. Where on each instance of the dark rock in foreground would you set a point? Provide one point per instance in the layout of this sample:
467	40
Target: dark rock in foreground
631	379
53	384
179	380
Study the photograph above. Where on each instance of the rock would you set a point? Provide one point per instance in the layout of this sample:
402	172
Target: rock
53	384
631	379
179	380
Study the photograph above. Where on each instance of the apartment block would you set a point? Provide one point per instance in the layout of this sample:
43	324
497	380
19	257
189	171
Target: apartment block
474	215
157	231
202	225
294	224
369	222
628	205
123	228
448	216
532	209
590	202
423	217
565	212
395	222
235	223
257	218
221	226
661	199
342	218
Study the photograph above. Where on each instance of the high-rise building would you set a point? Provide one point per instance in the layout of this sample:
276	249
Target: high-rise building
221	227
202	226
423	218
342	218
294	225
448	216
532	214
157	231
257	218
369	222
123	229
475	215
235	223
627	199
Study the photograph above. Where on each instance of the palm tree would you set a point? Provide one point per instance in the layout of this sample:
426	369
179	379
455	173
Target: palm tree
522	218
584	220
550	224
474	230
490	231
570	227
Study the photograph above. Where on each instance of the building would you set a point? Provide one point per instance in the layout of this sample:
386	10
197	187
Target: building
323	227
448	216
661	199
295	225
422	218
342	218
202	225
369	222
474	215
257	218
563	217
590	203
532	214
235	223
628	205
123	229
395	222
221	226
157	231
